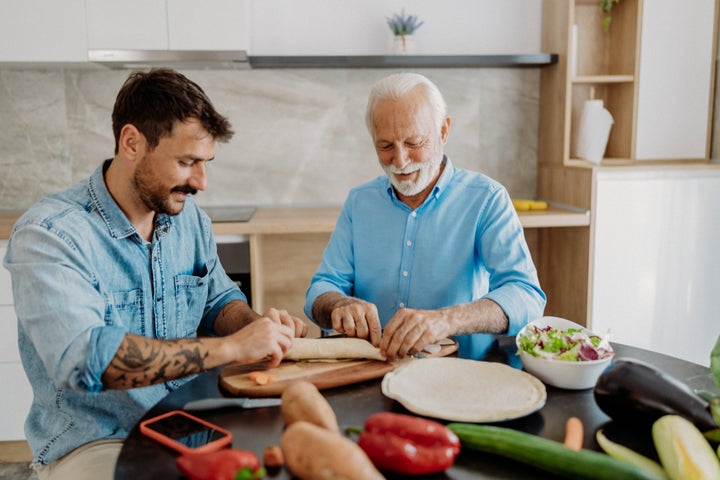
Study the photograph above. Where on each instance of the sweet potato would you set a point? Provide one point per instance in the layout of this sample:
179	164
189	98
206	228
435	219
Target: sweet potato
315	453
303	401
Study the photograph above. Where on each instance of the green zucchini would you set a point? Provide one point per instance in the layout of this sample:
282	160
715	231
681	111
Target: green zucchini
545	454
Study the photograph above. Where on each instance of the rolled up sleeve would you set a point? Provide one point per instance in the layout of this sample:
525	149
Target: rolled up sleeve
71	337
514	283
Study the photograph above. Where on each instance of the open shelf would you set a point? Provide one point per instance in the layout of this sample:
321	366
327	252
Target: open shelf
405	61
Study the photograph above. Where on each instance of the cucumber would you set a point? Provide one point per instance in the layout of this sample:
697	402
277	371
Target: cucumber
547	455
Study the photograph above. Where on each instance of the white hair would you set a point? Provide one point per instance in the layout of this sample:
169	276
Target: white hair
398	84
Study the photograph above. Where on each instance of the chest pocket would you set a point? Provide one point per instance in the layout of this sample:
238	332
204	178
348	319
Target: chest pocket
191	294
126	309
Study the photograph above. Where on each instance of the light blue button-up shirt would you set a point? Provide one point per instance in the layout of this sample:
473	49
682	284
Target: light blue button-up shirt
464	243
83	278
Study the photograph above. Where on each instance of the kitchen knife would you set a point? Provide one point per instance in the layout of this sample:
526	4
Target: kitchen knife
211	403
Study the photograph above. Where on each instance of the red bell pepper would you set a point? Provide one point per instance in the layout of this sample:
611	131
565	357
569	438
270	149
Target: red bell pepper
225	464
407	444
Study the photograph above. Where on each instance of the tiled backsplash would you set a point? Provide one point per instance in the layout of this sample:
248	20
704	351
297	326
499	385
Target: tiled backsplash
300	134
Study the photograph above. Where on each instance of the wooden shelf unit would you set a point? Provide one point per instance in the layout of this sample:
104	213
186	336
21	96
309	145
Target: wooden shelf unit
593	64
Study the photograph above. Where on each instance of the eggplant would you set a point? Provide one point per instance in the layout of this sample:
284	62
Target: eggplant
632	391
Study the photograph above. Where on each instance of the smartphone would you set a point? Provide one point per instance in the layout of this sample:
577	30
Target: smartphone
185	433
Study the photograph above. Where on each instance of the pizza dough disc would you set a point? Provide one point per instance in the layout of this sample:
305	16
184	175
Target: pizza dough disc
462	390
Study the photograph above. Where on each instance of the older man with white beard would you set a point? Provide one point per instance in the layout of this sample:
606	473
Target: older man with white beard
428	251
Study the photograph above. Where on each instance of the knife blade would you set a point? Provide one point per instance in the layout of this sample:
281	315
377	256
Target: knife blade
211	403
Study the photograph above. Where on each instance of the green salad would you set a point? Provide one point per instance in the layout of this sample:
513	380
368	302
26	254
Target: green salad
572	344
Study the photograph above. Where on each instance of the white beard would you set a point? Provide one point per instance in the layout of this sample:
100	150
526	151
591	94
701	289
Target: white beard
409	188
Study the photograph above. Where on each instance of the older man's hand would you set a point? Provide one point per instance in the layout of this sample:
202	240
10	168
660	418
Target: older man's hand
410	330
357	318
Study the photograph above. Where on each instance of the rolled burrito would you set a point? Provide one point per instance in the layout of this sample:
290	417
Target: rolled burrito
332	349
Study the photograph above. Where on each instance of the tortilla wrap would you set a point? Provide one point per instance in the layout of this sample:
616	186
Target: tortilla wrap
332	349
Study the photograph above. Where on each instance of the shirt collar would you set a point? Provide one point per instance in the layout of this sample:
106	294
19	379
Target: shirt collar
117	223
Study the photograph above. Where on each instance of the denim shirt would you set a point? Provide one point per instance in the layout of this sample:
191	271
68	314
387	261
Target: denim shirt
464	243
82	278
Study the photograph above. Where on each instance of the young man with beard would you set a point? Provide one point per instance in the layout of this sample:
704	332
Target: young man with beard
113	277
428	251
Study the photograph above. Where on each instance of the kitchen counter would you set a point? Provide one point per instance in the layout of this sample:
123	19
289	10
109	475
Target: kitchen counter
287	220
283	220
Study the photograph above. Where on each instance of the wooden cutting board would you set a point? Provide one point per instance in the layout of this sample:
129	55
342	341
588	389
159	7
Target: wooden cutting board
236	381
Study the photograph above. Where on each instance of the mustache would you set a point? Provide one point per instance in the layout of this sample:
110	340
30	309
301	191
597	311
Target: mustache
185	189
413	167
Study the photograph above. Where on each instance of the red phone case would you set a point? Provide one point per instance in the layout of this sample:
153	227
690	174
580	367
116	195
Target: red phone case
210	446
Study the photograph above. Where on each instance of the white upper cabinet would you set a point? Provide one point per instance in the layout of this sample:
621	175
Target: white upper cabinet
42	31
127	25
675	80
208	25
167	24
359	27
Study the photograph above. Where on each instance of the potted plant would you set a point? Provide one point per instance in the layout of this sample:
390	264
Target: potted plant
403	26
606	8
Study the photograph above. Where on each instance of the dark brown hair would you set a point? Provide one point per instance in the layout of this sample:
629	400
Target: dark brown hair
153	101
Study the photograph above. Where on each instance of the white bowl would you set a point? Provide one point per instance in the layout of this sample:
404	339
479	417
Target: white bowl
562	373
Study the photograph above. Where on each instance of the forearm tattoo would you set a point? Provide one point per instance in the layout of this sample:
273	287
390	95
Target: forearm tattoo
145	361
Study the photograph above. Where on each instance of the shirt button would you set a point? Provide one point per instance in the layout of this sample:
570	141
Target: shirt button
413	214
405	273
402	305
409	243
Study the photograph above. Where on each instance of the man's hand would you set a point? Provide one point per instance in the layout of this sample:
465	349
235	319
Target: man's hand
411	330
357	318
284	318
349	315
264	339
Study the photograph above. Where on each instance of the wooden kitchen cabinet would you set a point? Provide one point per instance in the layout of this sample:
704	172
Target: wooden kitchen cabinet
167	25
43	31
653	68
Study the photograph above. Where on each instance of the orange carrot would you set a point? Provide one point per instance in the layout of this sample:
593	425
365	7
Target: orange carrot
261	378
273	457
574	433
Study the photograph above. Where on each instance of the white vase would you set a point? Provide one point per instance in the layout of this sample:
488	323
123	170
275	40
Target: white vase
403	45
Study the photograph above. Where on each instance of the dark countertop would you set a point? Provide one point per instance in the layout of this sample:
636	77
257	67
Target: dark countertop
257	428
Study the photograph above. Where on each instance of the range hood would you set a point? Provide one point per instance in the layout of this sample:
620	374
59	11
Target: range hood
180	59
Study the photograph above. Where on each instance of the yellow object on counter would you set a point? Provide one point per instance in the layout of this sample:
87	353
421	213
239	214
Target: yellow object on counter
526	205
